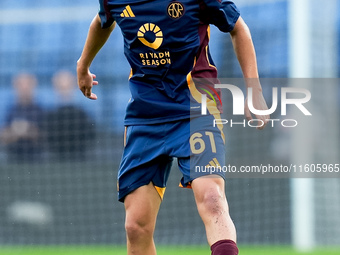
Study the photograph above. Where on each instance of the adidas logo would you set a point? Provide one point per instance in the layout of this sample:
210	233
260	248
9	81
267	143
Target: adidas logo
214	163
127	12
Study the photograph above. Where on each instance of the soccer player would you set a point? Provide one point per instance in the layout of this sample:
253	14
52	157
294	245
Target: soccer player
166	44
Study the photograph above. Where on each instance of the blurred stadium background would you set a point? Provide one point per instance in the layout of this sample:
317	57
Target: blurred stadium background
61	197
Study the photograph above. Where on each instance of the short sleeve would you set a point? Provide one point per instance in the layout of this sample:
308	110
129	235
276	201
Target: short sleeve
223	14
104	14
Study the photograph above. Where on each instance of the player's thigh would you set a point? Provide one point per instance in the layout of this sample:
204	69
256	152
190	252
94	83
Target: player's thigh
142	206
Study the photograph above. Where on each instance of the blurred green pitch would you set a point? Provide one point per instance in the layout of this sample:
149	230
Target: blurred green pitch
162	250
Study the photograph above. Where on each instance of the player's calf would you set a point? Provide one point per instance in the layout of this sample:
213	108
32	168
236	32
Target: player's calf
213	209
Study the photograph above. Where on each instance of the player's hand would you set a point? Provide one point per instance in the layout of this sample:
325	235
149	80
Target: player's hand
259	103
86	82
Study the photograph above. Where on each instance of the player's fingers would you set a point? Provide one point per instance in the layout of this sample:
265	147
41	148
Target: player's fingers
85	84
82	89
93	81
93	96
88	92
247	113
261	125
264	121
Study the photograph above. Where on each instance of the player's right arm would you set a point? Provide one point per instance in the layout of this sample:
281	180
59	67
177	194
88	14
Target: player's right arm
96	38
245	53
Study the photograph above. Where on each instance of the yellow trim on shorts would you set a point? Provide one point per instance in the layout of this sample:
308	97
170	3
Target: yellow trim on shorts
188	185
160	191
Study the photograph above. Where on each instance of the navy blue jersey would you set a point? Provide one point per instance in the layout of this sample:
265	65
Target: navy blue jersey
166	44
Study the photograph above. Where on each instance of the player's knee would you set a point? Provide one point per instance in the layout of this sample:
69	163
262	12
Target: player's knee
213	202
137	230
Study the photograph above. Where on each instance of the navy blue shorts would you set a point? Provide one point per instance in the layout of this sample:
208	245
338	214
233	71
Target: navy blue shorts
150	149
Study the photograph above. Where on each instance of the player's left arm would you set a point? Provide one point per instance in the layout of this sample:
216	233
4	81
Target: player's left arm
245	52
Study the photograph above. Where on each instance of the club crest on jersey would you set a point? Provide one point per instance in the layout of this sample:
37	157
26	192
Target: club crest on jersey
150	35
175	10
